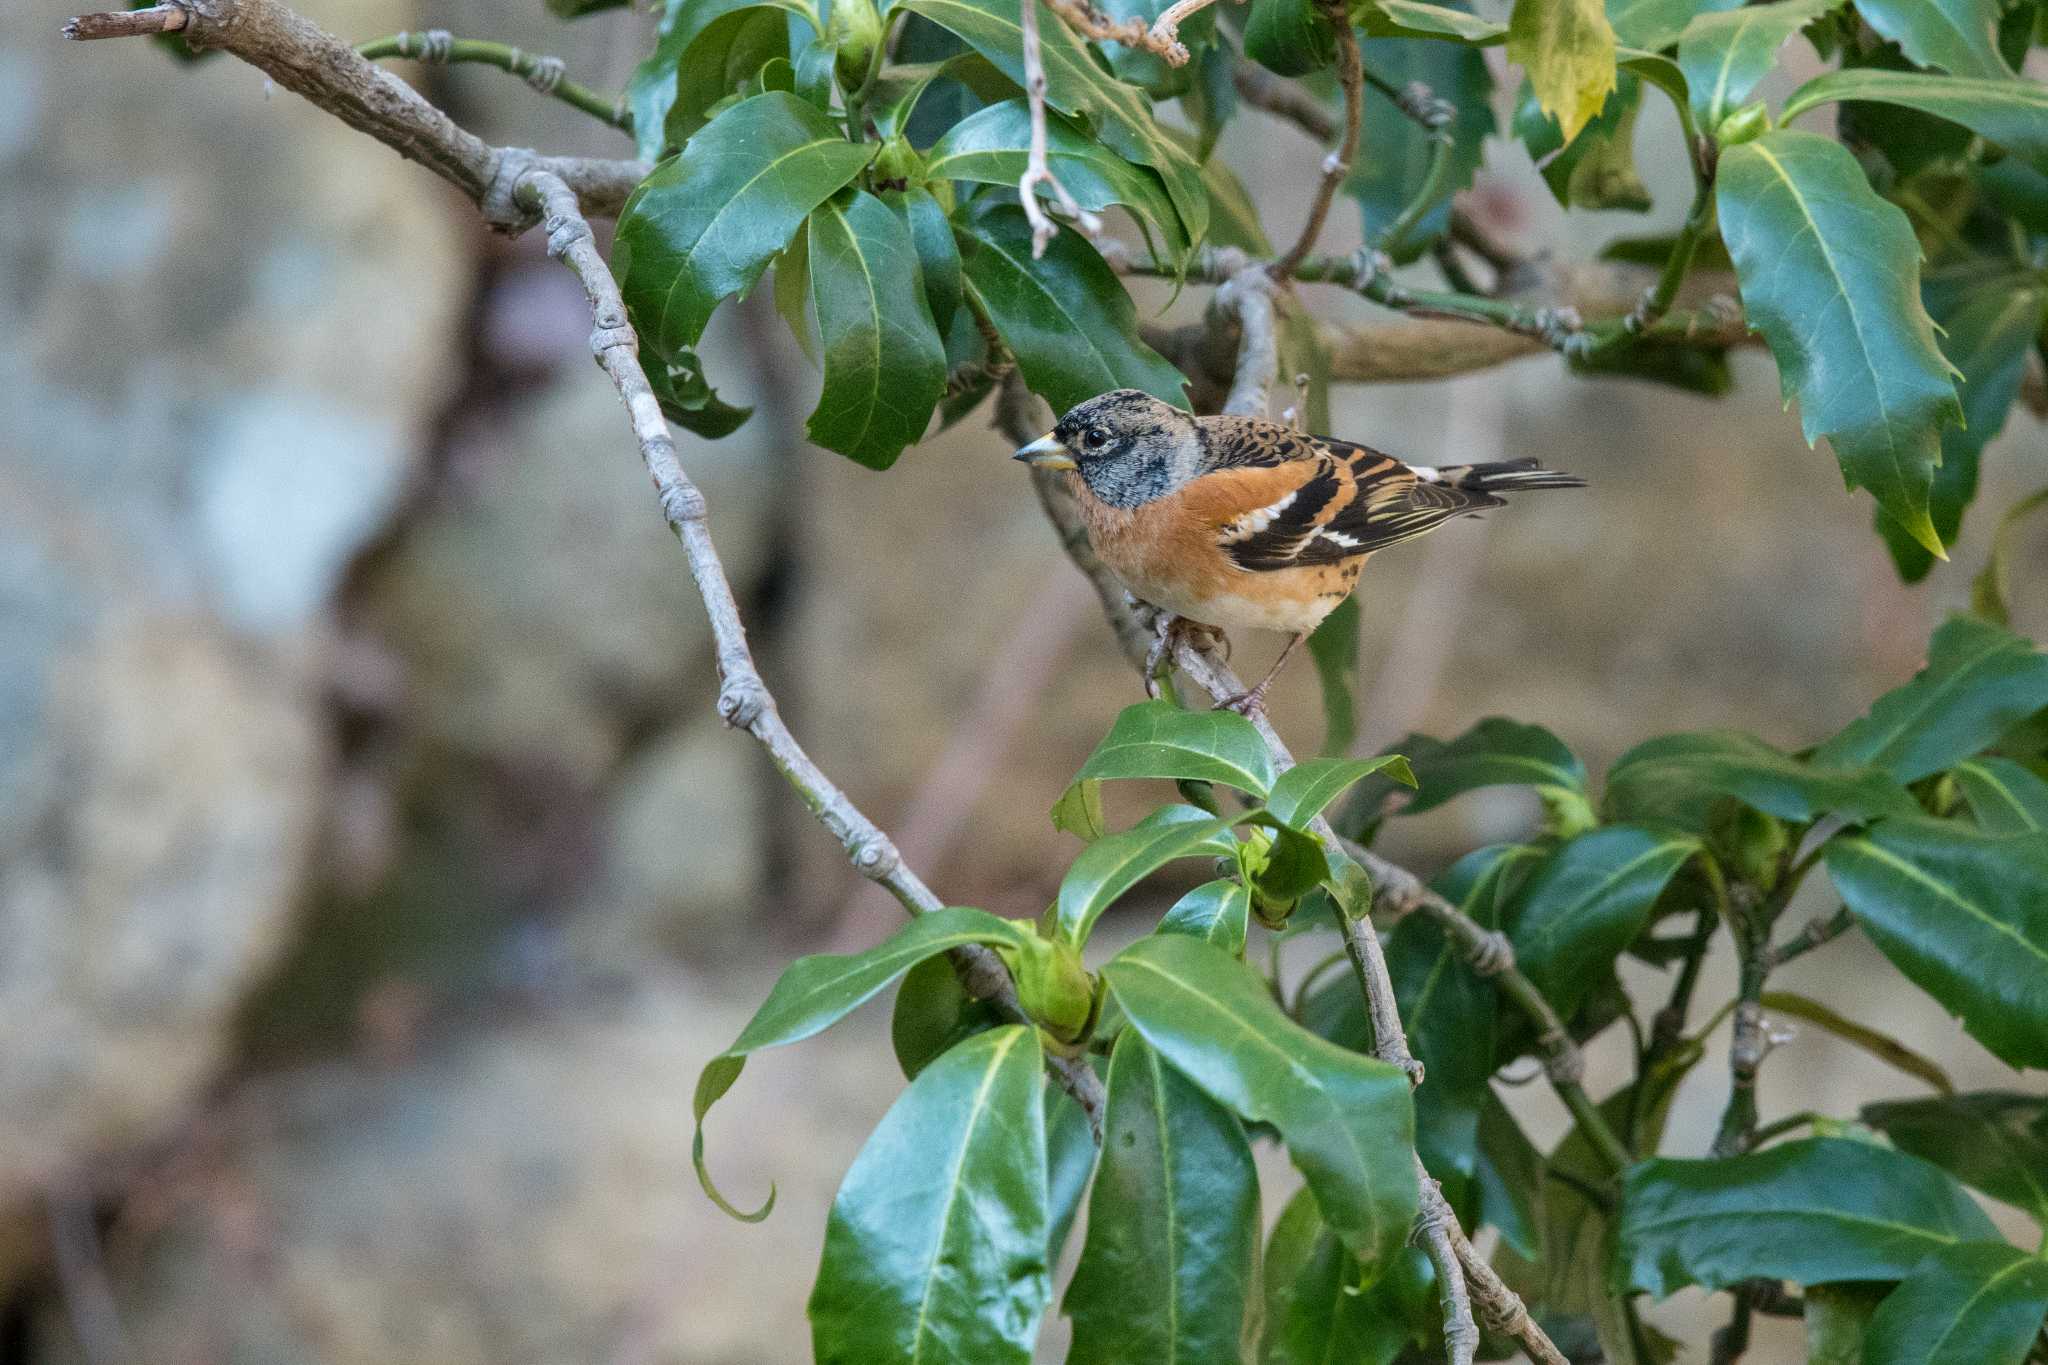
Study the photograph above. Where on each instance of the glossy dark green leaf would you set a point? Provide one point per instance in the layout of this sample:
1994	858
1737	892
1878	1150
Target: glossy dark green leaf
1959	36
1494	753
2005	797
1288	1248
814	993
1598	169
1159	739
2011	113
704	225
1725	52
938	256
1508	1173
1582	907
686	396
1655	24
1115	863
936	1247
1830	275
1992	1140
899	91
1980	1303
1217	911
1815	1211
1980	680
1568	49
1965	916
1173	1224
1334	648
993	145
1679	778
1420	19
1289	37
1079	811
1077	86
1069	1163
1449	1008
1346	1119
885	366
703	33
1335	1314
1396	154
1986	333
933	1011
1303	792
1835	1315
1066	316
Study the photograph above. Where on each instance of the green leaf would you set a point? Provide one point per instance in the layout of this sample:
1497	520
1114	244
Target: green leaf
1069	1162
1980	680
933	1011
1215	911
1876	1042
576	9
1334	648
1396	155
1679	778
1159	739
816	992
1992	587
1079	811
1334	1313
1959	36
687	398
1976	1304
1986	333
1173	1224
1077	86
1301	793
1346	1119
1417	19
1816	1211
1992	1140
1830	276
1115	863
1494	753
704	225
1835	1315
1653	25
885	366
2011	113
1066	316
1725	53
938	256
1509	1174
898	90
1568	48
1449	1008
1598	169
2005	797
692	65
992	146
936	1247
1583	906
1289	37
1964	915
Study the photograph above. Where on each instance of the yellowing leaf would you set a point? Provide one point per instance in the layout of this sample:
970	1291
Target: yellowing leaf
1568	48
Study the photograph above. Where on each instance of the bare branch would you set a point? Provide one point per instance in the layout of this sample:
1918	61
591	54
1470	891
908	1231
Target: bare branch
1284	99
1500	1307
1036	171
1434	1227
1248	295
1085	19
546	75
1166	29
744	700
134	23
1337	165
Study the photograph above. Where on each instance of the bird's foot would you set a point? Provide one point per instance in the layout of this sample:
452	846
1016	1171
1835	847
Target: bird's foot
1250	704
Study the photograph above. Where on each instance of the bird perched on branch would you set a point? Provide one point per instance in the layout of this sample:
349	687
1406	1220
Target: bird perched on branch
1240	522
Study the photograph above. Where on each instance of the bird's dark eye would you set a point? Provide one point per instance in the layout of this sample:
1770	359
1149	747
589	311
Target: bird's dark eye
1094	438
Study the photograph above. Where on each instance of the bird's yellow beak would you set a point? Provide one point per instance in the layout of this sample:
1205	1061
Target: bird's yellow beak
1047	452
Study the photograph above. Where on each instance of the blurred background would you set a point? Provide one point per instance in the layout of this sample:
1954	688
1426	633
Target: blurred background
375	876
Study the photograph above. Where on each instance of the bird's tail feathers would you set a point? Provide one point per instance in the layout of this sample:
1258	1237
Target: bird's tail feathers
1503	476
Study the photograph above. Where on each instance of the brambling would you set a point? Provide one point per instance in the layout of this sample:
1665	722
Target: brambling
1230	522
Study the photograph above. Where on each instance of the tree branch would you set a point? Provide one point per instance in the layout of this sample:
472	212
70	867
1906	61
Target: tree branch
744	700
1434	1229
133	23
544	74
1337	165
1036	171
305	59
1085	19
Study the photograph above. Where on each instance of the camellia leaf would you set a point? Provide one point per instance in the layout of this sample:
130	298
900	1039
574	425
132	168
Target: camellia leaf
938	256
1079	811
1069	1162
1217	911
885	366
1289	37
1678	778
1725	52
1836	1315
816	992
993	145
1173	1224
2005	797
1420	19
1159	739
1397	156
1598	169
1959	36
1346	1118
1335	1314
702	31
1964	915
934	1011
1334	647
2011	113
1077	86
1815	1211
1115	863
1302	792
1509	1174
898	89
1494	753
1992	1140
1980	1303
936	1247
1568	48
1655	24
1830	276
1980	680
1448	1007
1583	906
1066	316
686	396
704	225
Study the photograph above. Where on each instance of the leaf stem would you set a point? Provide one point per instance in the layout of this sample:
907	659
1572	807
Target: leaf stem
544	74
1818	931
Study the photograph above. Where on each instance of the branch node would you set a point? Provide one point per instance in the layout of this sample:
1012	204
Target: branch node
436	45
546	74
876	858
134	23
682	504
564	230
605	338
742	701
1492	955
1563	1063
500	200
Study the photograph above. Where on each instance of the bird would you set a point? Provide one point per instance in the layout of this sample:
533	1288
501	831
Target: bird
1233	522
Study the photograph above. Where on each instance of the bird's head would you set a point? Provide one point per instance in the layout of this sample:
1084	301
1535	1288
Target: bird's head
1128	446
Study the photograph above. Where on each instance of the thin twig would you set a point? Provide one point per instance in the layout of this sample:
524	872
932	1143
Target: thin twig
545	74
744	700
134	23
1086	20
1283	99
1500	1307
1166	29
1433	1229
1036	171
1818	930
1337	165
